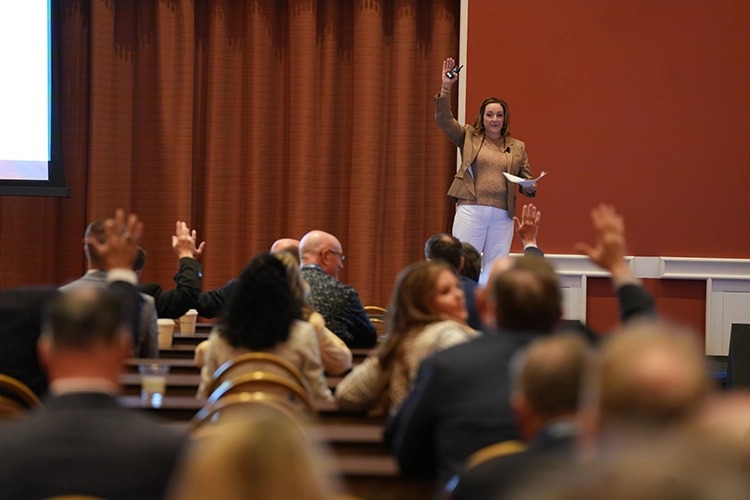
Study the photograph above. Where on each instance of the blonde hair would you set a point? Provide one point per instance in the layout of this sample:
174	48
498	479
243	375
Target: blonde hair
256	453
297	284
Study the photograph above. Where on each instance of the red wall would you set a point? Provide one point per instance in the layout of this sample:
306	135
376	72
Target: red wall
642	104
682	301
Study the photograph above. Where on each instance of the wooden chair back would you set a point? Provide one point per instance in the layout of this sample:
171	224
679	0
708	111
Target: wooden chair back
377	318
268	383
11	409
259	361
375	311
15	398
495	450
231	404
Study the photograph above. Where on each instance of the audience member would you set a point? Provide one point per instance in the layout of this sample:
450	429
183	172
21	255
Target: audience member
210	304
146	342
609	254
21	308
649	379
335	355
460	399
426	314
82	442
447	248
262	315
260	453
546	380
664	470
176	302
527	228
322	258
286	245
678	444
472	262
116	255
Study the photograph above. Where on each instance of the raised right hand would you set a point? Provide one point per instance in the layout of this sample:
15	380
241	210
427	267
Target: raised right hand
184	242
448	65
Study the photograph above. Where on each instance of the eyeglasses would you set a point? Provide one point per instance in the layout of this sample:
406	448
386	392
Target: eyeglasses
341	255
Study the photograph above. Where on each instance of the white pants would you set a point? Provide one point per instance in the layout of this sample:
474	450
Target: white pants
488	229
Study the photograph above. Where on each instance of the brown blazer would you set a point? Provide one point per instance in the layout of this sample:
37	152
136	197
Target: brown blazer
469	142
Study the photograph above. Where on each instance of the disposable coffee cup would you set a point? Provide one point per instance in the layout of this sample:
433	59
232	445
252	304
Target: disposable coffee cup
187	322
153	382
166	329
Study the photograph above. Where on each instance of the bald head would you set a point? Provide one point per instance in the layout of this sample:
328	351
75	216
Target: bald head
84	336
651	373
286	245
521	294
323	249
83	316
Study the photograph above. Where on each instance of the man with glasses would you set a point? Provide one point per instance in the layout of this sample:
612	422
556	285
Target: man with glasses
322	258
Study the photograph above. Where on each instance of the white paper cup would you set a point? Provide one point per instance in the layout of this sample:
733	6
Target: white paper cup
166	329
187	322
153	382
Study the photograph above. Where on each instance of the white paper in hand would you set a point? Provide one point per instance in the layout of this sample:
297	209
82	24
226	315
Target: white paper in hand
523	182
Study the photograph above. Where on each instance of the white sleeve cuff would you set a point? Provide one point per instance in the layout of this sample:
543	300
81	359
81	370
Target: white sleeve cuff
122	274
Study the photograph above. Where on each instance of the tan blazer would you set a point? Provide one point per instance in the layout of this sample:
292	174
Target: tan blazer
465	137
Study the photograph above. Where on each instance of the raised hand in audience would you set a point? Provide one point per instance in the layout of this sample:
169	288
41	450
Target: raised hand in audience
184	242
609	249
528	226
122	234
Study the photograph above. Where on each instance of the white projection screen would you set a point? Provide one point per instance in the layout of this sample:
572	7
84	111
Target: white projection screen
27	163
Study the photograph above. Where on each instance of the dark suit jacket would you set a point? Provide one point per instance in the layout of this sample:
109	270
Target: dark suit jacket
211	303
459	401
532	251
469	287
21	312
176	302
20	327
86	444
458	404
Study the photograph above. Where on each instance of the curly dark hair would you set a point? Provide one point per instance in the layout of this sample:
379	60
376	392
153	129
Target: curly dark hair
261	307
